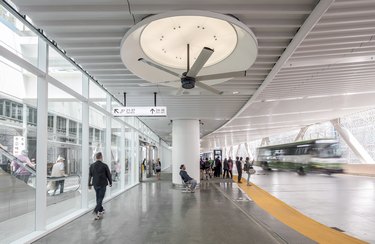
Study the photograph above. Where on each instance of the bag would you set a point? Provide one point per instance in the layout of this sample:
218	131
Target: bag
252	171
245	168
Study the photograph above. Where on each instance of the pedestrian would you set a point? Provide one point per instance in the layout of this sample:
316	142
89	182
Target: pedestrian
239	168
248	168
226	168
158	170
58	170
230	167
99	177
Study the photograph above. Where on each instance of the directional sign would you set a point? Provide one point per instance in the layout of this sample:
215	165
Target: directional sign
139	111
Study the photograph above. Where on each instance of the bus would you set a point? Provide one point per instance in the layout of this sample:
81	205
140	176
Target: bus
317	156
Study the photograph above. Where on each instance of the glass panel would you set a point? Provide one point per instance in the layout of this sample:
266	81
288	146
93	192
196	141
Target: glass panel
63	71
97	122
17	149
115	156
128	155
64	155
17	38
97	94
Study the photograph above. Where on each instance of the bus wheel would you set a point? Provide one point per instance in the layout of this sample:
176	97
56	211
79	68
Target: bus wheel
301	171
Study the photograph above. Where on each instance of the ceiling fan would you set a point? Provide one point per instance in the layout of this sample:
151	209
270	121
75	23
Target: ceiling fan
189	79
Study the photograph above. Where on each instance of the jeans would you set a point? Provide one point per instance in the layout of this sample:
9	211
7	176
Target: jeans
193	184
61	184
100	193
248	178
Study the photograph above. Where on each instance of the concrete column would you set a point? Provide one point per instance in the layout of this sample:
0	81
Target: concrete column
301	133
352	143
185	150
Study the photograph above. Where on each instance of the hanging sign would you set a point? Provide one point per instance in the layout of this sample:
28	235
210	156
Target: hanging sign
139	111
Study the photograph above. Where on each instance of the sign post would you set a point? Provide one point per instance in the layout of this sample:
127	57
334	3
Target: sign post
139	111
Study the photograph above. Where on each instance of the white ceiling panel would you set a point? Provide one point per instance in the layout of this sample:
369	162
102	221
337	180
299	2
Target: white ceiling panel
315	62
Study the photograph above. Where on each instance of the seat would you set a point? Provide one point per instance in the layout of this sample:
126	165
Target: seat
186	187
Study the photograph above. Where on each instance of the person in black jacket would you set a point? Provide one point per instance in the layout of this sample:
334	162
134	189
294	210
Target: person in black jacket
239	169
99	177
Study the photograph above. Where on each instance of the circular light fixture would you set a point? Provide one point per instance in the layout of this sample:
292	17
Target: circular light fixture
163	39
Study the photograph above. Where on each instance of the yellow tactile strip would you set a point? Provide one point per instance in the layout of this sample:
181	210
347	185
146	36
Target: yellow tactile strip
293	218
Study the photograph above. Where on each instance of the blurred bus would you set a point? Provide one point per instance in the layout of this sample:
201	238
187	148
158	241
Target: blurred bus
317	155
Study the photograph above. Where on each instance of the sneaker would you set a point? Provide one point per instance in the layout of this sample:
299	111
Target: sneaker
97	217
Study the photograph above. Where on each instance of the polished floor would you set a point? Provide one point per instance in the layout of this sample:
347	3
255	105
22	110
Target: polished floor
157	212
340	201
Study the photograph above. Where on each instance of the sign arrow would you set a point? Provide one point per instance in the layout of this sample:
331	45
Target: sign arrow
116	111
152	111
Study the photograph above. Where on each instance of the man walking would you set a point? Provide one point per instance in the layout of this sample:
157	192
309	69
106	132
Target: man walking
99	177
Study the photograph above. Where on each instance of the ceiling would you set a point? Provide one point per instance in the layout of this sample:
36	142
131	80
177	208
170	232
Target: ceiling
315	62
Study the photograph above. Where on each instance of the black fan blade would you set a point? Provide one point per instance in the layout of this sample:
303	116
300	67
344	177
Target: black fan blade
221	76
200	62
208	88
179	91
158	67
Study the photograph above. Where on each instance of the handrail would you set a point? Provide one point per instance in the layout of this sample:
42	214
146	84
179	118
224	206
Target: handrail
17	161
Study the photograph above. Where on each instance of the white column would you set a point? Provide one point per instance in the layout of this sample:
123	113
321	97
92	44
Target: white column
186	145
42	138
86	159
238	149
352	143
301	133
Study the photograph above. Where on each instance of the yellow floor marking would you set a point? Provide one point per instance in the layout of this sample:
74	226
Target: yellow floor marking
293	218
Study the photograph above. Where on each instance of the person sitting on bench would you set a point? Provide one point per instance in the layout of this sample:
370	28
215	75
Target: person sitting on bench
186	178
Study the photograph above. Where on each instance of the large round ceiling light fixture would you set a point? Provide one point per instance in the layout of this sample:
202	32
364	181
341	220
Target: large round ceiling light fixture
169	37
198	47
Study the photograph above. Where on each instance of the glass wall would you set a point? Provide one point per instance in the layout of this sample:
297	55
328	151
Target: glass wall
64	113
97	122
116	137
64	154
17	146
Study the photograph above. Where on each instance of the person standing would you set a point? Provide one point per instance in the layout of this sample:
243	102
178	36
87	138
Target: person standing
230	167
99	177
226	168
58	170
248	168
158	169
239	168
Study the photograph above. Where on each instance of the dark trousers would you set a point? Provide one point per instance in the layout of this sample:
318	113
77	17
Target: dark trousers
230	172
61	184
226	172
239	175
100	192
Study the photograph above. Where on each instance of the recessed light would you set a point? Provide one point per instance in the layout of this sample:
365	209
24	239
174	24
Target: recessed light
235	92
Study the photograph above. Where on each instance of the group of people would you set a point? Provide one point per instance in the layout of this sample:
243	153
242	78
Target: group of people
246	166
225	169
156	167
